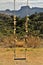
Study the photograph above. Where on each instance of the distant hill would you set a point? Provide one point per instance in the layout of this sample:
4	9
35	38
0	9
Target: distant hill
25	10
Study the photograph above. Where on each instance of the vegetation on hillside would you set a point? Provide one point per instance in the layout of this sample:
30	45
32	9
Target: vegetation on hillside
6	25
35	25
35	30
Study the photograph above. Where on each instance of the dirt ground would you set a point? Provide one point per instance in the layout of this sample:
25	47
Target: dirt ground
33	56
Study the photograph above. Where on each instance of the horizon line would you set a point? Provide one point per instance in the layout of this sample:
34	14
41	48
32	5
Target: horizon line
19	8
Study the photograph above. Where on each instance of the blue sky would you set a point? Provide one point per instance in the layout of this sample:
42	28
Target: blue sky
9	4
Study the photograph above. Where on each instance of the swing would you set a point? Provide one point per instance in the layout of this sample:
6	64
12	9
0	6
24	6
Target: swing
23	53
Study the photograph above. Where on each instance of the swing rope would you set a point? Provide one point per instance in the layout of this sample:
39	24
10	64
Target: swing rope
15	43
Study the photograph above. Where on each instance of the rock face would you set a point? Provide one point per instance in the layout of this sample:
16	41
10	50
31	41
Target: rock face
25	10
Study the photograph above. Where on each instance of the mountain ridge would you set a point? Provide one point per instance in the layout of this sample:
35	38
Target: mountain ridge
25	10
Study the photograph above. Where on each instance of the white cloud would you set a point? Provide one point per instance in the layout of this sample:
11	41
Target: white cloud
5	4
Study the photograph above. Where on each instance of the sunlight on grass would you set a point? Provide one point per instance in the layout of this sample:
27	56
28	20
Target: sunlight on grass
20	49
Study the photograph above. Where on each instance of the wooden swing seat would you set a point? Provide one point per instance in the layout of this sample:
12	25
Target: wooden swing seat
19	58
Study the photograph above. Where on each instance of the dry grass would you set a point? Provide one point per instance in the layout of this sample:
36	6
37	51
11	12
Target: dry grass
33	56
31	41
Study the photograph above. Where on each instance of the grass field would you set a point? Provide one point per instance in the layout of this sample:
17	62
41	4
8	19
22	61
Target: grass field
33	56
